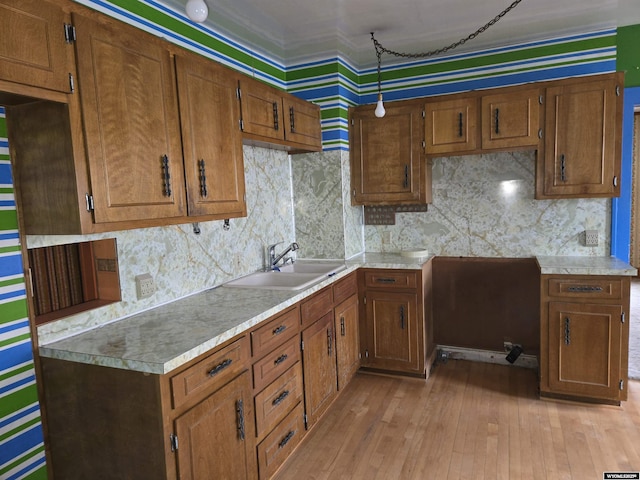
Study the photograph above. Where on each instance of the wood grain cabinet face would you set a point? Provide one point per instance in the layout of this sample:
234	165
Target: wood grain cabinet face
216	437
511	120
451	125
302	123
347	340
584	337
387	157
33	49
392	325
211	138
130	115
582	140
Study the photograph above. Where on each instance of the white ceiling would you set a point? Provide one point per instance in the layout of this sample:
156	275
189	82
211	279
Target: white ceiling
297	30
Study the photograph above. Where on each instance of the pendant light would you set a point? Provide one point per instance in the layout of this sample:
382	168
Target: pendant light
380	111
197	10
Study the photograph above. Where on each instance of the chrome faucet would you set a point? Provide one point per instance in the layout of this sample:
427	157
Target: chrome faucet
275	259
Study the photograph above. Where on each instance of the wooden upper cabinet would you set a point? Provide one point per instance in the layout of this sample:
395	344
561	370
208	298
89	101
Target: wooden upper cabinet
211	138
33	49
511	120
126	83
302	123
451	125
582	147
387	161
275	118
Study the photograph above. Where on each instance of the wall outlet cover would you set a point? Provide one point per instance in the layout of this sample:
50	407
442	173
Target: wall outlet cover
591	238
145	285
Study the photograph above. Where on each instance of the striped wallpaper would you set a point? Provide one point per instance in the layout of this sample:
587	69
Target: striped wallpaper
333	83
21	442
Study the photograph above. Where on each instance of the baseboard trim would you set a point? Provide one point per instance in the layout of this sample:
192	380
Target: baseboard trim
487	356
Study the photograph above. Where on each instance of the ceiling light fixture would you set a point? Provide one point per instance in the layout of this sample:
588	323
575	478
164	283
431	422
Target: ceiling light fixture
380	111
197	10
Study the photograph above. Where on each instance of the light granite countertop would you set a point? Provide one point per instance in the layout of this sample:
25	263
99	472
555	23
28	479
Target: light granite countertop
584	266
164	338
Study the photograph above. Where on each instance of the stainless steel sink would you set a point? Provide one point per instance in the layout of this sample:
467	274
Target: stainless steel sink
297	276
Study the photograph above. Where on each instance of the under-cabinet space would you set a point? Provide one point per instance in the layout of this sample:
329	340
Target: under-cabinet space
73	278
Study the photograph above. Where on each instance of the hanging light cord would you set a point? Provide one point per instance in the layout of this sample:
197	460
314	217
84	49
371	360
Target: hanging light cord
380	49
380	111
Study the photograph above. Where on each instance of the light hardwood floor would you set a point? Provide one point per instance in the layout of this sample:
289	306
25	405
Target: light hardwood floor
468	421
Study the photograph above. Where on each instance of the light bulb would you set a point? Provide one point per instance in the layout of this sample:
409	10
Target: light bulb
197	10
380	111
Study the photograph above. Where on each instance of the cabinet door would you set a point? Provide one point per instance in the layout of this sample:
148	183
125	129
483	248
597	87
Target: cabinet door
33	50
393	334
211	137
319	366
387	156
347	340
585	349
582	152
126	82
261	110
511	120
302	123
216	438
451	126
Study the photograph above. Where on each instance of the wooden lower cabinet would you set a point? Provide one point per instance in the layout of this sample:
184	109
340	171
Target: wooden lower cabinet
280	443
347	340
319	363
196	423
395	328
584	337
215	438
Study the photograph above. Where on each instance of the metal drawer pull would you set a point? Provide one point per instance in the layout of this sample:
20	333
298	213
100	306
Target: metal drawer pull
221	366
286	439
329	342
402	317
585	289
567	331
280	359
166	176
386	280
279	330
240	414
280	398
342	328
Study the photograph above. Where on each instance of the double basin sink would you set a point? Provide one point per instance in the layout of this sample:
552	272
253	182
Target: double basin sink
296	276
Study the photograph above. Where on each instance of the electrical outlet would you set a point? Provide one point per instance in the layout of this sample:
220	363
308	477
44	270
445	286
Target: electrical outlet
591	238
145	285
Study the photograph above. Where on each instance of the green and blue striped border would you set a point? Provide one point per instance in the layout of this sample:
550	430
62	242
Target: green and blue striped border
21	441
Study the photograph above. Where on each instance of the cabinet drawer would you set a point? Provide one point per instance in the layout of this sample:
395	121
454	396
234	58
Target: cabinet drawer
279	444
275	363
275	332
210	373
277	400
344	288
596	288
316	306
390	278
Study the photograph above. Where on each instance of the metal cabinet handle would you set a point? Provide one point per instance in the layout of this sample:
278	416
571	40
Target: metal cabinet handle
166	176
386	280
460	124
567	331
585	288
402	317
329	342
203	178
279	330
405	183
292	119
563	173
280	359
342	328
286	439
276	123
280	398
497	120
221	366
240	418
